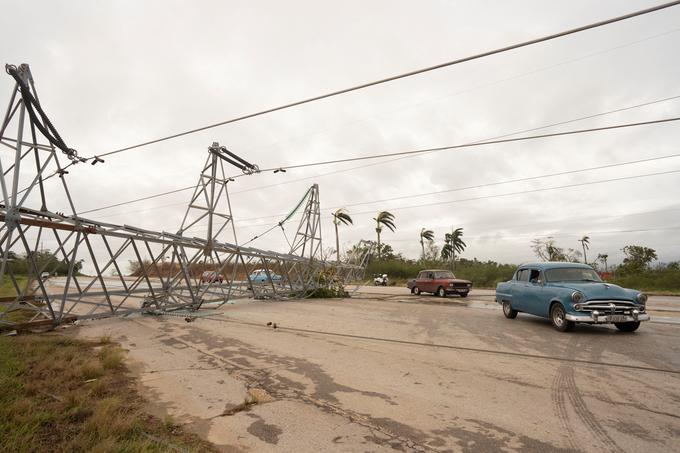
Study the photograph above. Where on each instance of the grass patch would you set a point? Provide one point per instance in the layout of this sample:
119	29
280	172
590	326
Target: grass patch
61	394
19	313
7	289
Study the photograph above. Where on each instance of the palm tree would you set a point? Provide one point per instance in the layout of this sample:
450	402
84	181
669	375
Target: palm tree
425	235
603	257
585	240
384	218
340	216
453	242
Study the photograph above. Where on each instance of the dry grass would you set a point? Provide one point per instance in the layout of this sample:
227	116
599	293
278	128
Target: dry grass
60	394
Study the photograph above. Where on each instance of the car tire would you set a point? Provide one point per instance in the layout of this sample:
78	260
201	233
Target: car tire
441	292
415	290
465	294
559	320
508	311
627	326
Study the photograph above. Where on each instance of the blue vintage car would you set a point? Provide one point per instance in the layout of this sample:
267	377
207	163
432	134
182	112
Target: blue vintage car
569	293
261	276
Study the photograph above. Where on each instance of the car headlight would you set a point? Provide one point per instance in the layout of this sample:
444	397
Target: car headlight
641	298
576	296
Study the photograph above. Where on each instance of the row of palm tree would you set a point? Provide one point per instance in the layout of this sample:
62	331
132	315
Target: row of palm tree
453	242
384	219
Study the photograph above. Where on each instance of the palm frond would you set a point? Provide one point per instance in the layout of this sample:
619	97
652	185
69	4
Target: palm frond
343	217
385	218
427	234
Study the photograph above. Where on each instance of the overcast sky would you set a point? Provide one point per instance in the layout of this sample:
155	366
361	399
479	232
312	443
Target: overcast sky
114	74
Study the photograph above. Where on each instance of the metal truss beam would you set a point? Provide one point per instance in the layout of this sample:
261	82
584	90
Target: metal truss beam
169	269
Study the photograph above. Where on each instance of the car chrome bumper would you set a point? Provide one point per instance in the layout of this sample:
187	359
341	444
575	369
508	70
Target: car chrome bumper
606	319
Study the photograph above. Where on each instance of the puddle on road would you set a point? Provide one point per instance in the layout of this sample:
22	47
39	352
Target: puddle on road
451	303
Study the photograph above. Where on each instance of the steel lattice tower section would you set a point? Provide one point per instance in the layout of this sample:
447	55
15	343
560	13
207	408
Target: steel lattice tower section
166	269
307	240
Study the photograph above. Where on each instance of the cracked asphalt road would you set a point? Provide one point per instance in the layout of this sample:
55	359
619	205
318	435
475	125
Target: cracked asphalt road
393	372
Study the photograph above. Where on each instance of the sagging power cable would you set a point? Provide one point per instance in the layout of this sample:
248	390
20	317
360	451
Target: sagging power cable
484	143
422	151
485	197
407	74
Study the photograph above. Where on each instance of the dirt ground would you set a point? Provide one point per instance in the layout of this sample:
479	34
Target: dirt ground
386	370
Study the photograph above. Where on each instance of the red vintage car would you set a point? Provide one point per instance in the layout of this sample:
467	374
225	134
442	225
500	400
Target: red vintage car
211	277
439	282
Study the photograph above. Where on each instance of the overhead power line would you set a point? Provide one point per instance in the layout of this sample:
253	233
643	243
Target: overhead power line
449	95
509	181
556	234
400	155
510	134
423	194
523	192
149	197
547	225
469	145
272	227
484	197
406	74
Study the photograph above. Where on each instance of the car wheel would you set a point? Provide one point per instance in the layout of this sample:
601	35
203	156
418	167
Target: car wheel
559	319
441	292
463	294
415	291
508	311
627	326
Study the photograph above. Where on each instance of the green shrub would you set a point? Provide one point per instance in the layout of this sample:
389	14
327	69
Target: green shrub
663	279
484	274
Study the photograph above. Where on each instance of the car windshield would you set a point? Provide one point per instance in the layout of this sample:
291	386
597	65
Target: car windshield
571	274
444	274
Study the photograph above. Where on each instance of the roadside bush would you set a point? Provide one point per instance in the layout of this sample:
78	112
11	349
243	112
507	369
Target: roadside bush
666	279
484	274
327	293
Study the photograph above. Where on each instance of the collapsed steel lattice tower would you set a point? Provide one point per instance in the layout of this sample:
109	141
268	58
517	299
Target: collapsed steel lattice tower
170	270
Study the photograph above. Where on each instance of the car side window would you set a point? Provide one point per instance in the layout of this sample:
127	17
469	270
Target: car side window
430	276
523	275
421	275
535	276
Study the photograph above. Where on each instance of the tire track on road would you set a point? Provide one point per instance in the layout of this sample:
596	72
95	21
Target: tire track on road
584	414
559	401
565	389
